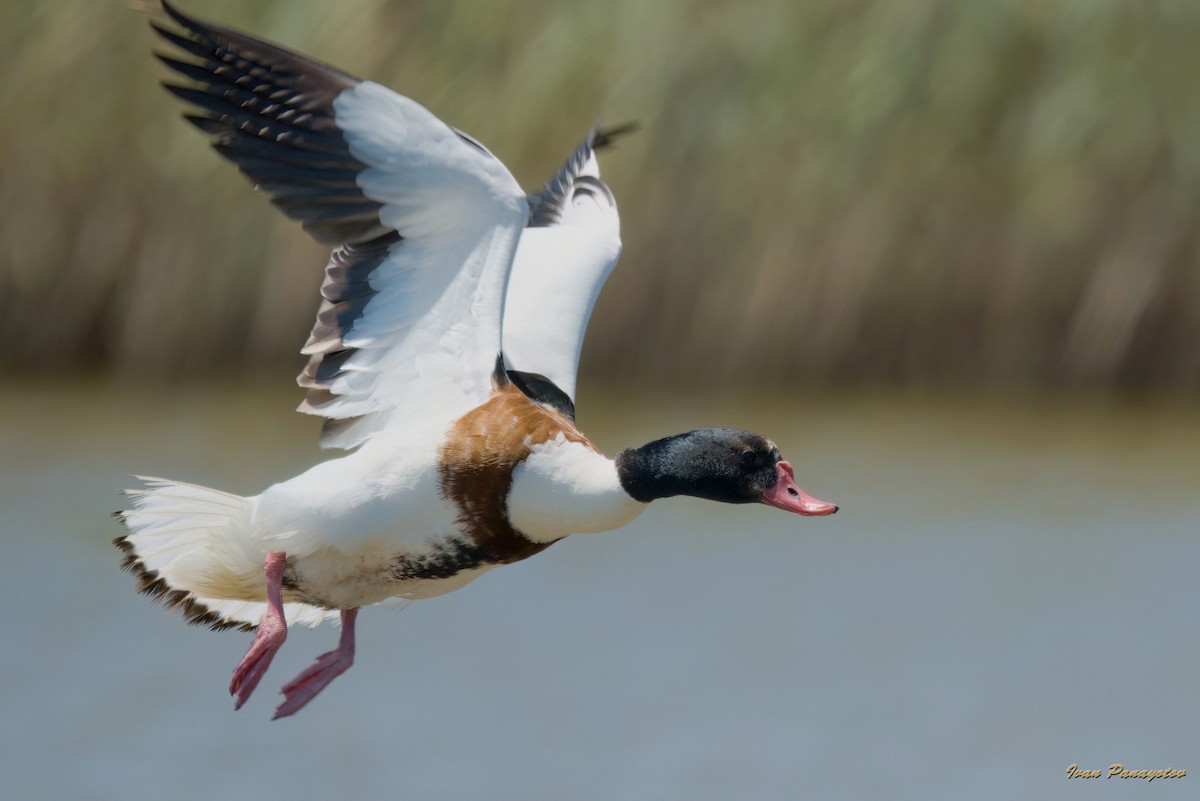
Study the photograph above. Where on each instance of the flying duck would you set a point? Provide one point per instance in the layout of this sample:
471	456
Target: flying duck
443	358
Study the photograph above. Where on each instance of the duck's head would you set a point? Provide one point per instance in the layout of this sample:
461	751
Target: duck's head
720	464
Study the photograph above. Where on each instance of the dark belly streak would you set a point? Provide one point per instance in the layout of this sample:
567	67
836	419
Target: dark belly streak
294	590
444	561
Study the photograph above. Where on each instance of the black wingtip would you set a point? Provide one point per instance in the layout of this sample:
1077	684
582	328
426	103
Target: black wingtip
177	15
162	12
603	137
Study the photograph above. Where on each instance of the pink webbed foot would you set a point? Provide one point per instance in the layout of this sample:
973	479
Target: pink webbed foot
305	687
271	633
270	636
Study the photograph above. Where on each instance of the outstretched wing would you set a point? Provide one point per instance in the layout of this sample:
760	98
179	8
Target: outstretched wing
424	221
571	245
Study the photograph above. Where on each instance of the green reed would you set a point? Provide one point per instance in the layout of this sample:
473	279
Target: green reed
974	194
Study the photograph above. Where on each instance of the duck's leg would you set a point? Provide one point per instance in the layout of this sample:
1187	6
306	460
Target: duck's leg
271	633
302	689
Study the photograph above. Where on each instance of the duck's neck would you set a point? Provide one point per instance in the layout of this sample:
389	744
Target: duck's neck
675	465
649	473
567	487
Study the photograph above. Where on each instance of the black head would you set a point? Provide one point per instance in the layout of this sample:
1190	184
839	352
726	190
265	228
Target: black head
720	464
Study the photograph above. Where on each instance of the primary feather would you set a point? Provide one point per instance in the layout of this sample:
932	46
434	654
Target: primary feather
424	221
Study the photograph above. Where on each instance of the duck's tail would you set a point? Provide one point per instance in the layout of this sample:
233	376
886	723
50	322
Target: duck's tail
189	548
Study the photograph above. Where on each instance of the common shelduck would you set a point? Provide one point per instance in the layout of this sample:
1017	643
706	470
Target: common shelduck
444	354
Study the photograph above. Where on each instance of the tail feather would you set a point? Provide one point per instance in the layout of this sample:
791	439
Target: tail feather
187	547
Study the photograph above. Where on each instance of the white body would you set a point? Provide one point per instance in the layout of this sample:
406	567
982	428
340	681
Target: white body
345	521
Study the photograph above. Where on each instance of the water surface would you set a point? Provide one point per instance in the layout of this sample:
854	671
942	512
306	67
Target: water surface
1009	589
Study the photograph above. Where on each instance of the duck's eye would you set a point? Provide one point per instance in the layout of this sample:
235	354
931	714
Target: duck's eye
748	457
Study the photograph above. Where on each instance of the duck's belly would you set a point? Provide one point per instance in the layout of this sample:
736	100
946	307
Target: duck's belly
336	580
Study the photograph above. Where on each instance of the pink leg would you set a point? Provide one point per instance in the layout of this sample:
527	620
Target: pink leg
302	689
272	631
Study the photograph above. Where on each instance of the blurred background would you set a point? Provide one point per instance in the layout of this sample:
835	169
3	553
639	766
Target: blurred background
965	195
944	253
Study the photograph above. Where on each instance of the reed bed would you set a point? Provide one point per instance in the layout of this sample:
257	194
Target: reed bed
836	193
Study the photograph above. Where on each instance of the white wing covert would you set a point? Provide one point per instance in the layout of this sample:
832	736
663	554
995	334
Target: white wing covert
563	259
425	222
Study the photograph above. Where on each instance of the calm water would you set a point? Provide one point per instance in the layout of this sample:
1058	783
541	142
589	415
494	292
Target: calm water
1008	590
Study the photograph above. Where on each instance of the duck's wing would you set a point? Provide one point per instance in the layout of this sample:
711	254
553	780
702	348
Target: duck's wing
423	219
571	245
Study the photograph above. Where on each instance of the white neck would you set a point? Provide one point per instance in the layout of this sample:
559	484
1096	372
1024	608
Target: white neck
568	488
